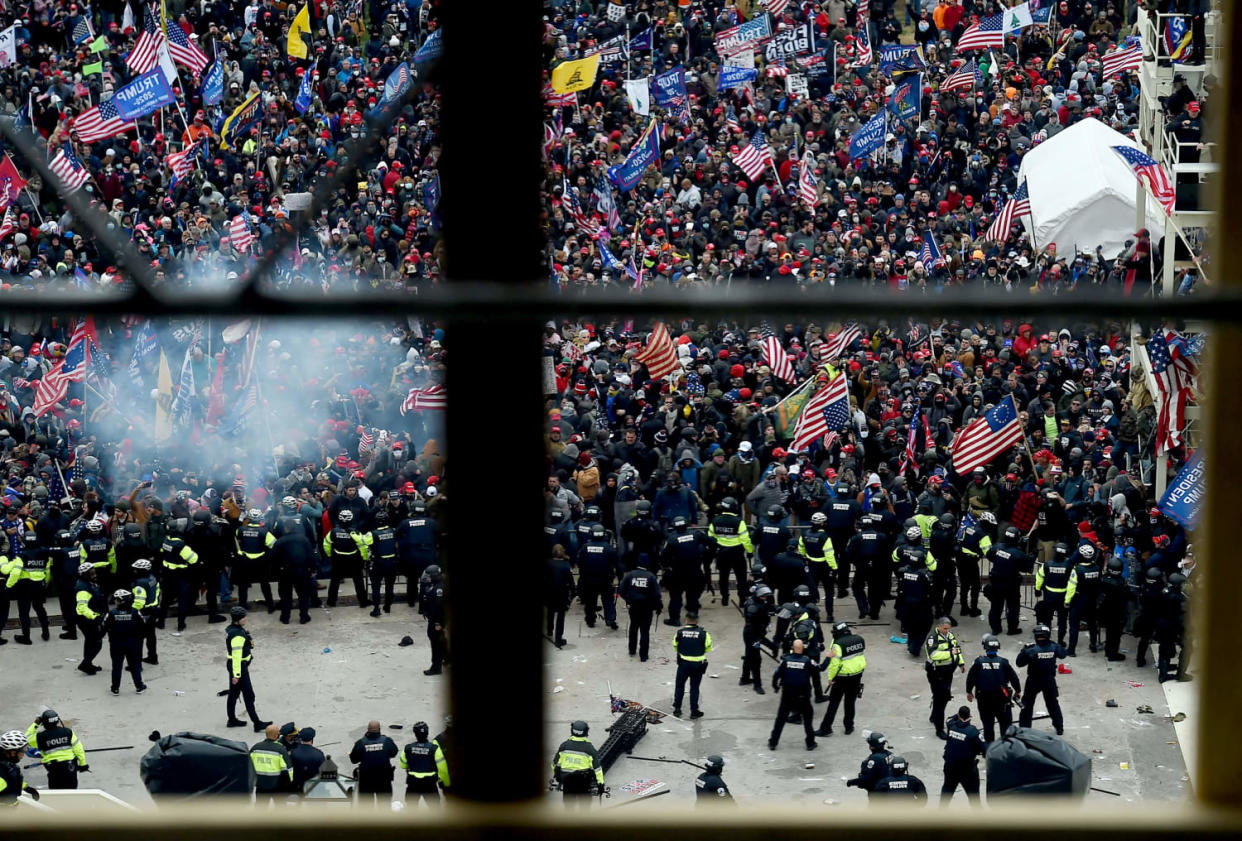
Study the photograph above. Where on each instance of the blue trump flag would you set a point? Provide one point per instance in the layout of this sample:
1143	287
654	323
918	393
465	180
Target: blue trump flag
1183	501
642	41
432	48
611	263
646	151
670	89
398	82
733	77
906	99
901	56
870	137
212	90
305	92
146	94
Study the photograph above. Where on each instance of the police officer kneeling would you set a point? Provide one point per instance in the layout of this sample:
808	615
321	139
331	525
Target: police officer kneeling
576	767
900	784
963	745
709	787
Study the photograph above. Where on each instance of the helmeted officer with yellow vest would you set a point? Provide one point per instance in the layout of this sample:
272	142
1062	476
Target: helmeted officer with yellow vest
845	666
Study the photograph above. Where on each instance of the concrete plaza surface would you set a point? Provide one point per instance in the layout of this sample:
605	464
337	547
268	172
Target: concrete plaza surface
366	675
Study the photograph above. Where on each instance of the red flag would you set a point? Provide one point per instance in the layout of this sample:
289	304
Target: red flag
11	182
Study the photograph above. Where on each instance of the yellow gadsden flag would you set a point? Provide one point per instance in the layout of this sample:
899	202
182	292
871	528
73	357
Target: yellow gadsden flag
296	46
574	76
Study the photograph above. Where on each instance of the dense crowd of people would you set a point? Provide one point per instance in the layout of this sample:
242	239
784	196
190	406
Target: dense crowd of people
697	219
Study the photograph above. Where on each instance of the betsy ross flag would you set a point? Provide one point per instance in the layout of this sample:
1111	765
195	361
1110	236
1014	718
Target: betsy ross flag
754	157
146	52
69	169
659	355
239	231
433	398
775	356
54	385
966	77
986	34
836	344
182	163
101	122
184	51
1174	371
986	437
1150	173
827	411
1017	207
808	186
1119	60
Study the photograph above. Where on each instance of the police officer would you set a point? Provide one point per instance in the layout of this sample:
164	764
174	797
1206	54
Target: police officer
131	547
875	767
12	786
29	576
641	534
683	558
1114	603
558	593
942	544
125	628
1170	623
62	753
253	544
206	536
1005	582
270	759
64	563
418	542
842	515
239	651
943	656
913	590
973	545
1149	611
994	681
709	787
384	561
1051	584
146	590
598	566
787	572
293	558
90	607
756	615
425	768
346	547
95	549
373	754
805	627
793	679
1040	658
431	597
773	536
961	750
556	530
641	591
845	665
576	767
178	560
864	551
305	758
1082	594
733	546
900	784
816	546
692	645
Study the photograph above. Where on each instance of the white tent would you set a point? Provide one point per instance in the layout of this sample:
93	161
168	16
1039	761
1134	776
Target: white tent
1082	193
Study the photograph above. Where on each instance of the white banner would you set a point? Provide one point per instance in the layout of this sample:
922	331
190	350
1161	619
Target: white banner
1017	17
8	46
795	83
746	58
639	92
616	12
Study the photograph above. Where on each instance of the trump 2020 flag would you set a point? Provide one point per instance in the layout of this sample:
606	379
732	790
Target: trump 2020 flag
213	82
870	137
734	77
646	151
670	91
906	100
305	92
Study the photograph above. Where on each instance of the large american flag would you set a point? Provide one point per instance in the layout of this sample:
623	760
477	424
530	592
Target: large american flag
182	163
808	186
146	52
986	437
659	355
1150	173
239	231
836	344
433	398
986	34
54	385
1119	60
865	54
1175	372
754	157
967	76
827	411
185	51
776	357
69	169
1017	207
101	122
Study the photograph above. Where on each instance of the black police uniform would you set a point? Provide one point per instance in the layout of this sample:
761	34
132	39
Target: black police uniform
710	788
209	541
817	543
1150	594
732	545
944	657
253	565
177	560
347	557
431	596
421	760
418	539
793	678
901	787
805	626
238	650
863	552
558	593
1051	585
373	754
1083	597
842	513
914	600
994	683
125	628
147	588
788	571
873	769
598	566
306	761
1114	604
943	546
1004	586
643	537
12	786
692	644
1170	622
683	559
773	537
384	562
1040	658
756	616
961	749
641	591
64	565
91	607
971	547
30	588
845	673
293	558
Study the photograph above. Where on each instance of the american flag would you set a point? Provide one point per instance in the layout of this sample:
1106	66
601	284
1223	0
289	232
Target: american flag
1017	207
613	50
183	50
365	442
967	76
82	30
1150	173
775	7
99	371
659	355
776	357
808	186
916	334
558	100
863	41
1175	372
731	122
754	157
827	411
606	204
101	122
69	169
239	231
433	398
864	13
918	425
836	344
986	437
1119	60
930	255
146	52
241	410
54	385
586	223
182	163
10	223
987	33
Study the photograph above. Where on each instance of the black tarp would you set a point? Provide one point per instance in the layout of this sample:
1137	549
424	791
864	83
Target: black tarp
1027	761
193	764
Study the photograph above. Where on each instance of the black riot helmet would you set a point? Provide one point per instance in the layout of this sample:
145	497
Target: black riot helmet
680	524
802	594
597	531
946	521
1154	574
1177	580
643	508
1061	550
1043	632
421	730
579	728
875	740
728	504
132	533
715	764
1116	566
899	765
1012	535
592	514
776	513
840	629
